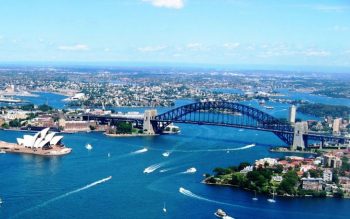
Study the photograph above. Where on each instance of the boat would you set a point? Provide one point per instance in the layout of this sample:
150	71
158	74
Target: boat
164	208
109	154
269	107
88	146
2	152
166	154
272	200
262	102
1	201
191	170
221	214
255	198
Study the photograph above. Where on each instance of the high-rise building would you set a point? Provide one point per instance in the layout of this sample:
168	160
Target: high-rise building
292	114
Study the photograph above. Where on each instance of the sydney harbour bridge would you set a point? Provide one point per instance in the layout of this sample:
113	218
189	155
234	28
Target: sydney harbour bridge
221	113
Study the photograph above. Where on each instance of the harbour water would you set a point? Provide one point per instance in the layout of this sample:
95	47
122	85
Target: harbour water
79	185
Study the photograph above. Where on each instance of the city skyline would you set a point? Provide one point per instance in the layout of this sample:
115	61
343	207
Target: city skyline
184	32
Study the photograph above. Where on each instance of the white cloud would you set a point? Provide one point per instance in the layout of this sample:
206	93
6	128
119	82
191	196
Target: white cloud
77	47
316	53
195	46
174	4
231	45
151	48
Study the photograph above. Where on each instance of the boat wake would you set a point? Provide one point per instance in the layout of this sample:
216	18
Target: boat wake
153	167
192	195
65	195
143	150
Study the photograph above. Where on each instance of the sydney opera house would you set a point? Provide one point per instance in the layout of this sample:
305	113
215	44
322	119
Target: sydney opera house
42	140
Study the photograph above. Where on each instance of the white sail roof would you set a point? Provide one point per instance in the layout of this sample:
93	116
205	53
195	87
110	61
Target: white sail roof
44	132
43	143
40	139
28	140
20	141
55	140
50	136
37	142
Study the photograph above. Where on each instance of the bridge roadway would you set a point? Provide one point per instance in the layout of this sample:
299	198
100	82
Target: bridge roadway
207	113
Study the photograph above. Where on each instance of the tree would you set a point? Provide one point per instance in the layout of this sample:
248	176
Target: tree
243	165
45	108
15	123
279	168
5	126
338	194
221	171
288	184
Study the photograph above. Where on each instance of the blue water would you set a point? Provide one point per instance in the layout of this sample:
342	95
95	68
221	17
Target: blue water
36	187
54	100
314	98
62	187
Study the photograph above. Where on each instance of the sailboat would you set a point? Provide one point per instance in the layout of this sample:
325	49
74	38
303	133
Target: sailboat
164	208
255	198
272	200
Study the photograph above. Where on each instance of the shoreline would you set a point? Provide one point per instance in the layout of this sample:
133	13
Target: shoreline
246	189
128	135
286	150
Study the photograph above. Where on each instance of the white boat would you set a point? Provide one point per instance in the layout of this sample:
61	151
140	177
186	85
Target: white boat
109	154
88	146
269	107
272	200
221	214
255	198
191	170
2	152
1	201
166	154
164	208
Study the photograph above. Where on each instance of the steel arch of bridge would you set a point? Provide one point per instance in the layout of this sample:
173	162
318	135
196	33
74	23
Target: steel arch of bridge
264	121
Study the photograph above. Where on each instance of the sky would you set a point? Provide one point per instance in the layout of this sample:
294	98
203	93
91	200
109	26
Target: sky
224	32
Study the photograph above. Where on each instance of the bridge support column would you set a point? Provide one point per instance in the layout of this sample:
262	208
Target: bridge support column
147	125
300	129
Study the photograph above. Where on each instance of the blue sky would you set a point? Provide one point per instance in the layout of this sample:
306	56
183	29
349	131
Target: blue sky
229	32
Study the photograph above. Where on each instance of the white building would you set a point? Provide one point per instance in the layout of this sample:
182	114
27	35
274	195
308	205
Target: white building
327	175
269	161
42	139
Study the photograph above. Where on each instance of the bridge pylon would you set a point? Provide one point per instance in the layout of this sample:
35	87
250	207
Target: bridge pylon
147	125
299	140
